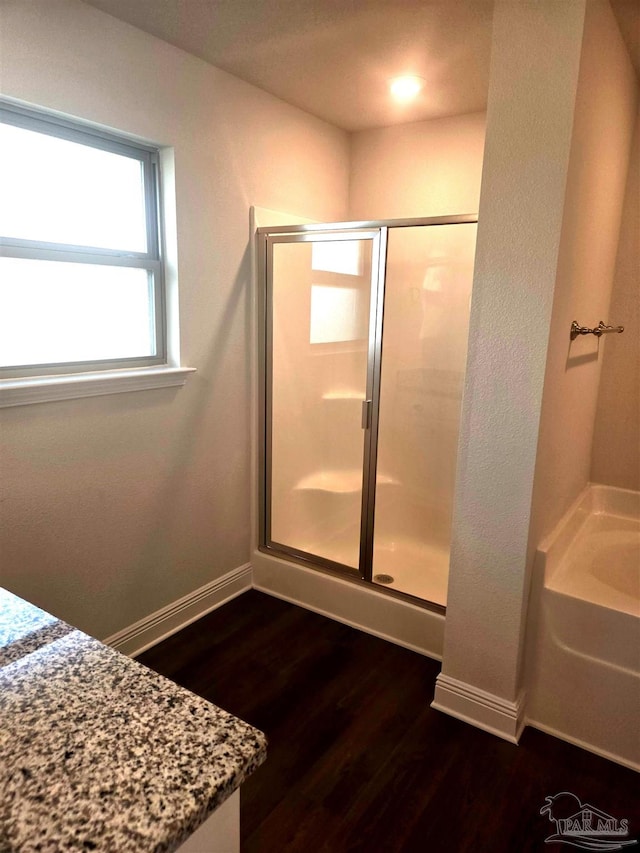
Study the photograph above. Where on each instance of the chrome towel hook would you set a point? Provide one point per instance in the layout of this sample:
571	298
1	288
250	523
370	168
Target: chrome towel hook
600	329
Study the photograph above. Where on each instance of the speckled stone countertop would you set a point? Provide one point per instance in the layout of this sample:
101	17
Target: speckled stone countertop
97	752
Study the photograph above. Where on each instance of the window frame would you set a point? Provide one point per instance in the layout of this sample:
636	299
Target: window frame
151	260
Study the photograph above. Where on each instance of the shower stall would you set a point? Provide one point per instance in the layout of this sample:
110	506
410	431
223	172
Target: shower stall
364	338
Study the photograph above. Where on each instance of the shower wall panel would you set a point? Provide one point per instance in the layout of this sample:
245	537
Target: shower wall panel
375	494
426	317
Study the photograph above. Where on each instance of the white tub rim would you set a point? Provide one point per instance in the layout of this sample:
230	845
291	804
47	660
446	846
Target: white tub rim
554	551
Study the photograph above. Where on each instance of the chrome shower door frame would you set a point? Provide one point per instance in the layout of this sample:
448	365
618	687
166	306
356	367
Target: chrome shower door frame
377	231
268	238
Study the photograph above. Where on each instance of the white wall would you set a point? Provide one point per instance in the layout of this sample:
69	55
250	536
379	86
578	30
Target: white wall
426	168
616	442
554	173
112	507
603	126
605	115
534	74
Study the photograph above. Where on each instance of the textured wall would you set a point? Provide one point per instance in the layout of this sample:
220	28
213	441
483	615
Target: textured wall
534	73
112	507
603	125
426	168
616	442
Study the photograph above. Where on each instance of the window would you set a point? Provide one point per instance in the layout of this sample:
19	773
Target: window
81	276
338	314
340	292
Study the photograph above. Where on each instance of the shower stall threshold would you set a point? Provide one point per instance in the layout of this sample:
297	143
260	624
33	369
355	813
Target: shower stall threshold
387	614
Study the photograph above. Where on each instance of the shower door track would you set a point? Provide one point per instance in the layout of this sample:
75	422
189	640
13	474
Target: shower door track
366	229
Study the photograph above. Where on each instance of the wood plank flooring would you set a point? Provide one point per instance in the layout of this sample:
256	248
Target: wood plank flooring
357	760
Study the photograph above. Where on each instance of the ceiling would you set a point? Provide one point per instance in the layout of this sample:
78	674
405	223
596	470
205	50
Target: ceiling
334	58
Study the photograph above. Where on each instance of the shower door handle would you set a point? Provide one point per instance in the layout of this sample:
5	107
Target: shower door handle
366	414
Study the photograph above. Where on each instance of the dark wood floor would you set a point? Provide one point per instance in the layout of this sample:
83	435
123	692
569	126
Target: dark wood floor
357	759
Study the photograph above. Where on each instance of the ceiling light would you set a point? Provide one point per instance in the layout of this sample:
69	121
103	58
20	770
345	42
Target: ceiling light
407	87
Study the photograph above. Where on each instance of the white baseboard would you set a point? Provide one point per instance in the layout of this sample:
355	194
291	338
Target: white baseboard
583	744
368	610
168	620
481	709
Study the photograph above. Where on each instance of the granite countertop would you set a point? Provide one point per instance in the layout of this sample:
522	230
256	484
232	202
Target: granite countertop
97	752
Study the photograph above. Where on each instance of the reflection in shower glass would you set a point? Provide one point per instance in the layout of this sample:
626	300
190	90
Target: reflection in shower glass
341	256
337	314
320	303
426	318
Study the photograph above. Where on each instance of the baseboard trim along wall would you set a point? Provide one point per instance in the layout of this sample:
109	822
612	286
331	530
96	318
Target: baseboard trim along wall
368	610
583	744
145	633
479	708
392	619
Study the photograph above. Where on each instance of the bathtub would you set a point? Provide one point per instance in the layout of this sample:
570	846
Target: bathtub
584	656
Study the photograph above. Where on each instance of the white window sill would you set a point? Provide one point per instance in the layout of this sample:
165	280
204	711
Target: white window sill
46	389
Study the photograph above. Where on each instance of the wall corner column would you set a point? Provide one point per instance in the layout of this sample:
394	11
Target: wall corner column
535	62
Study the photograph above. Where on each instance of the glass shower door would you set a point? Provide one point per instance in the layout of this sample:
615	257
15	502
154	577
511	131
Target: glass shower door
321	305
429	276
